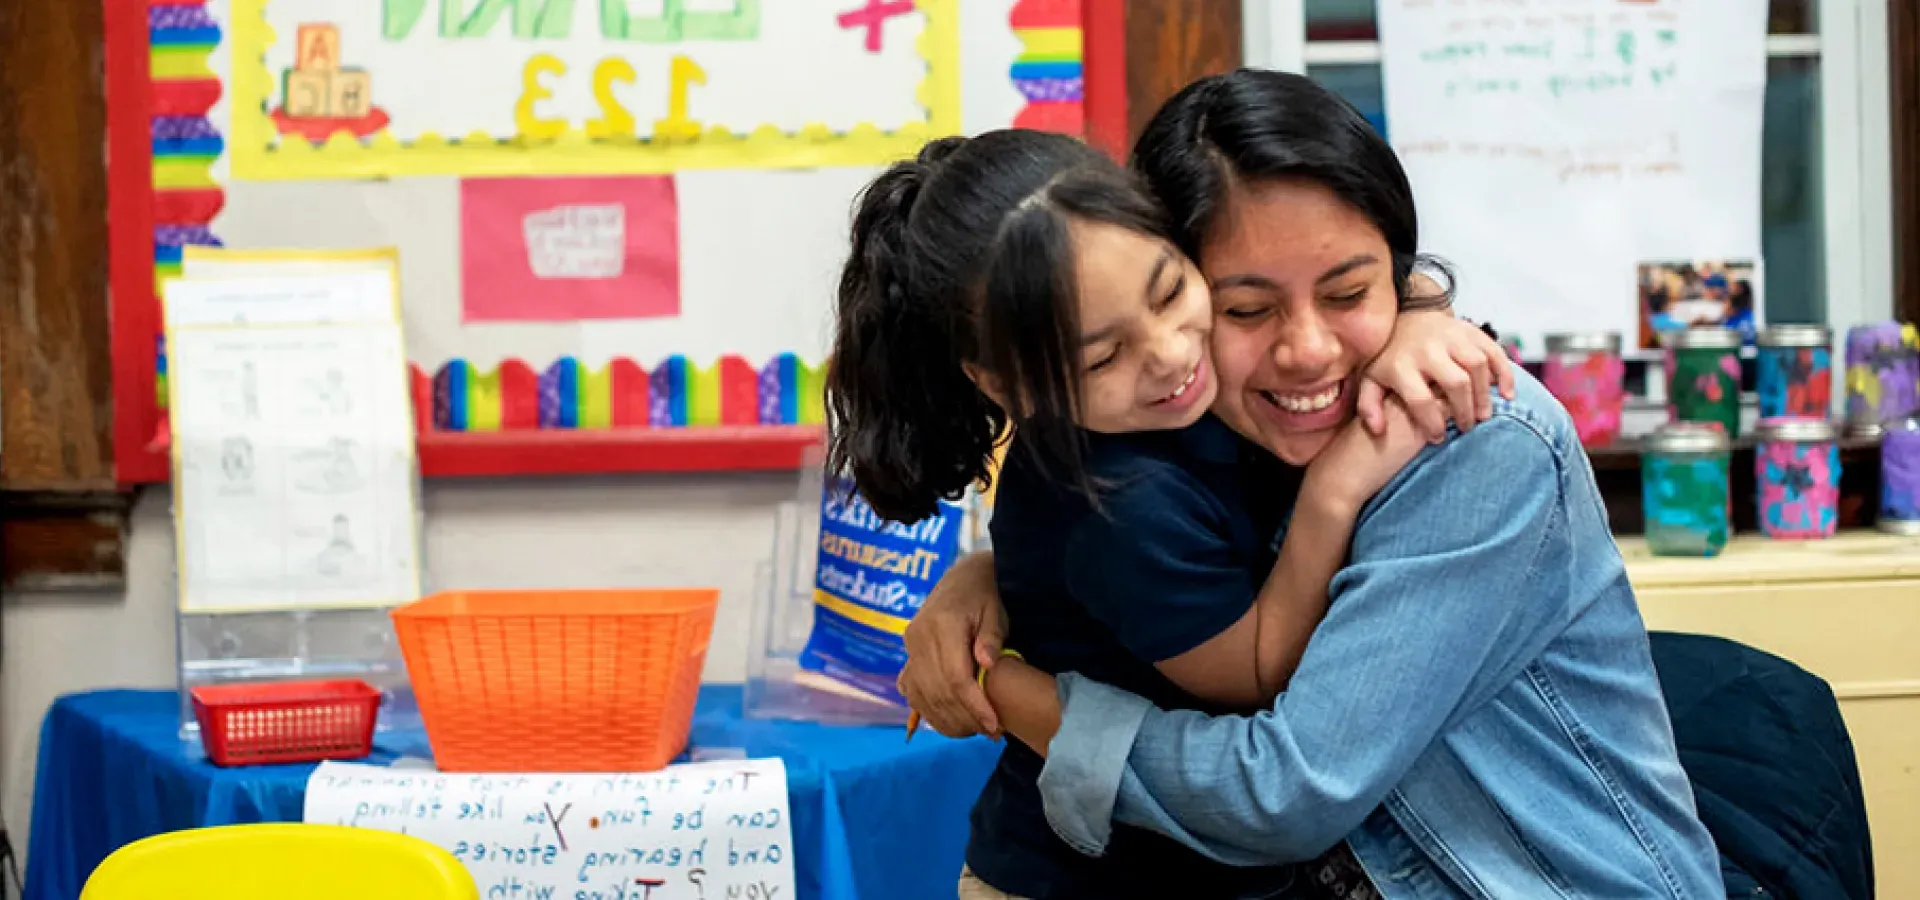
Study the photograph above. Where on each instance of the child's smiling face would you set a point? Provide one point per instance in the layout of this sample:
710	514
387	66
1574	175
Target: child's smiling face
1145	315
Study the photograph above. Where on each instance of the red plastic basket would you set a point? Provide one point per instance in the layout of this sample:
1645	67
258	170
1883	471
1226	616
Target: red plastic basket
557	681
285	722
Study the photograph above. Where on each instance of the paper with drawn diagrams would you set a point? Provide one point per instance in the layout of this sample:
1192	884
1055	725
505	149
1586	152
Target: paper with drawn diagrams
295	472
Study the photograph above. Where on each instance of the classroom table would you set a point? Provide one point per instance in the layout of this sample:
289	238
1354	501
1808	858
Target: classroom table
874	817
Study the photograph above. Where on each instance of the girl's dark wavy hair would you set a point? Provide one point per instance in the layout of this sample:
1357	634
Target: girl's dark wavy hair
964	256
1253	124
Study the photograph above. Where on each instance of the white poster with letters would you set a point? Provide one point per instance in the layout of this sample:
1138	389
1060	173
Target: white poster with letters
1554	145
702	831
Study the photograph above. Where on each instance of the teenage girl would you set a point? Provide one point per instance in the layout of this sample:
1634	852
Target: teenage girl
1021	278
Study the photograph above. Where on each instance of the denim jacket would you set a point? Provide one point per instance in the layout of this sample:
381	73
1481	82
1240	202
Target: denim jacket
1477	716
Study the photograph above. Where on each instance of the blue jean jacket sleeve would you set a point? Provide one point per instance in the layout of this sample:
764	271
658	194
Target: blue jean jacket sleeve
1453	588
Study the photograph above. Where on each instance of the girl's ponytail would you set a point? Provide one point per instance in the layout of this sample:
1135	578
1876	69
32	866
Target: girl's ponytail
903	418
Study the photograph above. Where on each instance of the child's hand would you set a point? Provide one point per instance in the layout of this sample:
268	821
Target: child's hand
1430	349
959	629
1358	463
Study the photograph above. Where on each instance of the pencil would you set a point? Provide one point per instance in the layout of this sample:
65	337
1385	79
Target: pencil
913	722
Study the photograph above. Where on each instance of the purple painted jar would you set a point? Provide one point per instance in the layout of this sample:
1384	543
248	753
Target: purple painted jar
1883	376
1900	477
1797	475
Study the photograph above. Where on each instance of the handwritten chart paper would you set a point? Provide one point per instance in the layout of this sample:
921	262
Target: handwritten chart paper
293	444
569	249
1554	145
705	831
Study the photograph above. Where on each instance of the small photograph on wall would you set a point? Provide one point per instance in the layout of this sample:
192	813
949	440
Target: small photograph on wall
1676	295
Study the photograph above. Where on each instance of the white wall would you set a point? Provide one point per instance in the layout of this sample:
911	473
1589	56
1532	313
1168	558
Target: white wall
653	531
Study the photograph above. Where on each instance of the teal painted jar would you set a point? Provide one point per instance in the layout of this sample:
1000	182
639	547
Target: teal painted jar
1685	489
1703	377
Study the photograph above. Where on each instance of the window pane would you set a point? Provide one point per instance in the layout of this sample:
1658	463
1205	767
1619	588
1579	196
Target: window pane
1360	85
1352	20
1341	20
1791	198
1791	201
1793	17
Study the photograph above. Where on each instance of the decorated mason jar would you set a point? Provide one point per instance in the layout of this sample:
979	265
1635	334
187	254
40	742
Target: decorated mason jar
1797	477
1900	477
1883	375
1684	482
1586	373
1703	377
1795	371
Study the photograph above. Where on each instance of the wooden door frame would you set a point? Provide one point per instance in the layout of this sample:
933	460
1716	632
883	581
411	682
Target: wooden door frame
1903	60
62	521
1140	52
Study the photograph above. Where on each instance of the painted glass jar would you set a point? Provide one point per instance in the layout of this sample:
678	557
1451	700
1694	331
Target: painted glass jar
1883	375
1703	377
1586	373
1900	477
1795	371
1797	478
1684	480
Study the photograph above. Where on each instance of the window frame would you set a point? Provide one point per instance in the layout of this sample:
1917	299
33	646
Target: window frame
1855	132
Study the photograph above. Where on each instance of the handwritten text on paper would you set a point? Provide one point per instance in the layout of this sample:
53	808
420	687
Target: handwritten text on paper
1511	54
707	830
1554	145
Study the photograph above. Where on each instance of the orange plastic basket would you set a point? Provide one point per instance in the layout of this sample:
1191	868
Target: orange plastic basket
284	722
557	681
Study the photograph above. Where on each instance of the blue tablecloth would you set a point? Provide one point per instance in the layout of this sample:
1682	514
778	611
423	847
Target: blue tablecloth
874	818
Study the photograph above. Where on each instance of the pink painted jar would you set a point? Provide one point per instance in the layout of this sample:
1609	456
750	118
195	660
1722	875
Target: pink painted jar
1797	475
1587	375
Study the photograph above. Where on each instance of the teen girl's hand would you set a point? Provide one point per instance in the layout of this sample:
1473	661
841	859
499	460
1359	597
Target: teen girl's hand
1440	367
958	631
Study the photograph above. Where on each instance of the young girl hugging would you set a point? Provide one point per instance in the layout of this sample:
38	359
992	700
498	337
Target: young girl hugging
1020	282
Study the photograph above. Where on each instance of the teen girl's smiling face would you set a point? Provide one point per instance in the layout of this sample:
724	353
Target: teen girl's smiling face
1144	320
1304	296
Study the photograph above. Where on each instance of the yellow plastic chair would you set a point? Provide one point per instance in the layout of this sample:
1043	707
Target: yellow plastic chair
286	862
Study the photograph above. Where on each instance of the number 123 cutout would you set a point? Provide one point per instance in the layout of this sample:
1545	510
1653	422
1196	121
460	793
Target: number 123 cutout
614	121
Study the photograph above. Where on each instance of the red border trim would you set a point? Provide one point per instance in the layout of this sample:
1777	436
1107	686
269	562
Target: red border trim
456	454
1103	70
446	454
134	308
140	440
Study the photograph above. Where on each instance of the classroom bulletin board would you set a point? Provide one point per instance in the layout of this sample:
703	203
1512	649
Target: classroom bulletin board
619	223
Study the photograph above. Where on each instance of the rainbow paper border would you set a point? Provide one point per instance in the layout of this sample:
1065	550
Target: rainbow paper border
570	395
1049	71
182	36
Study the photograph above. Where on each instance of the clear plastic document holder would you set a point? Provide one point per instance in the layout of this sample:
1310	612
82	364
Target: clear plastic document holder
777	686
294	645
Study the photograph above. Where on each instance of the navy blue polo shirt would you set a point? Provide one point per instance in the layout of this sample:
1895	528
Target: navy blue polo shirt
1175	553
